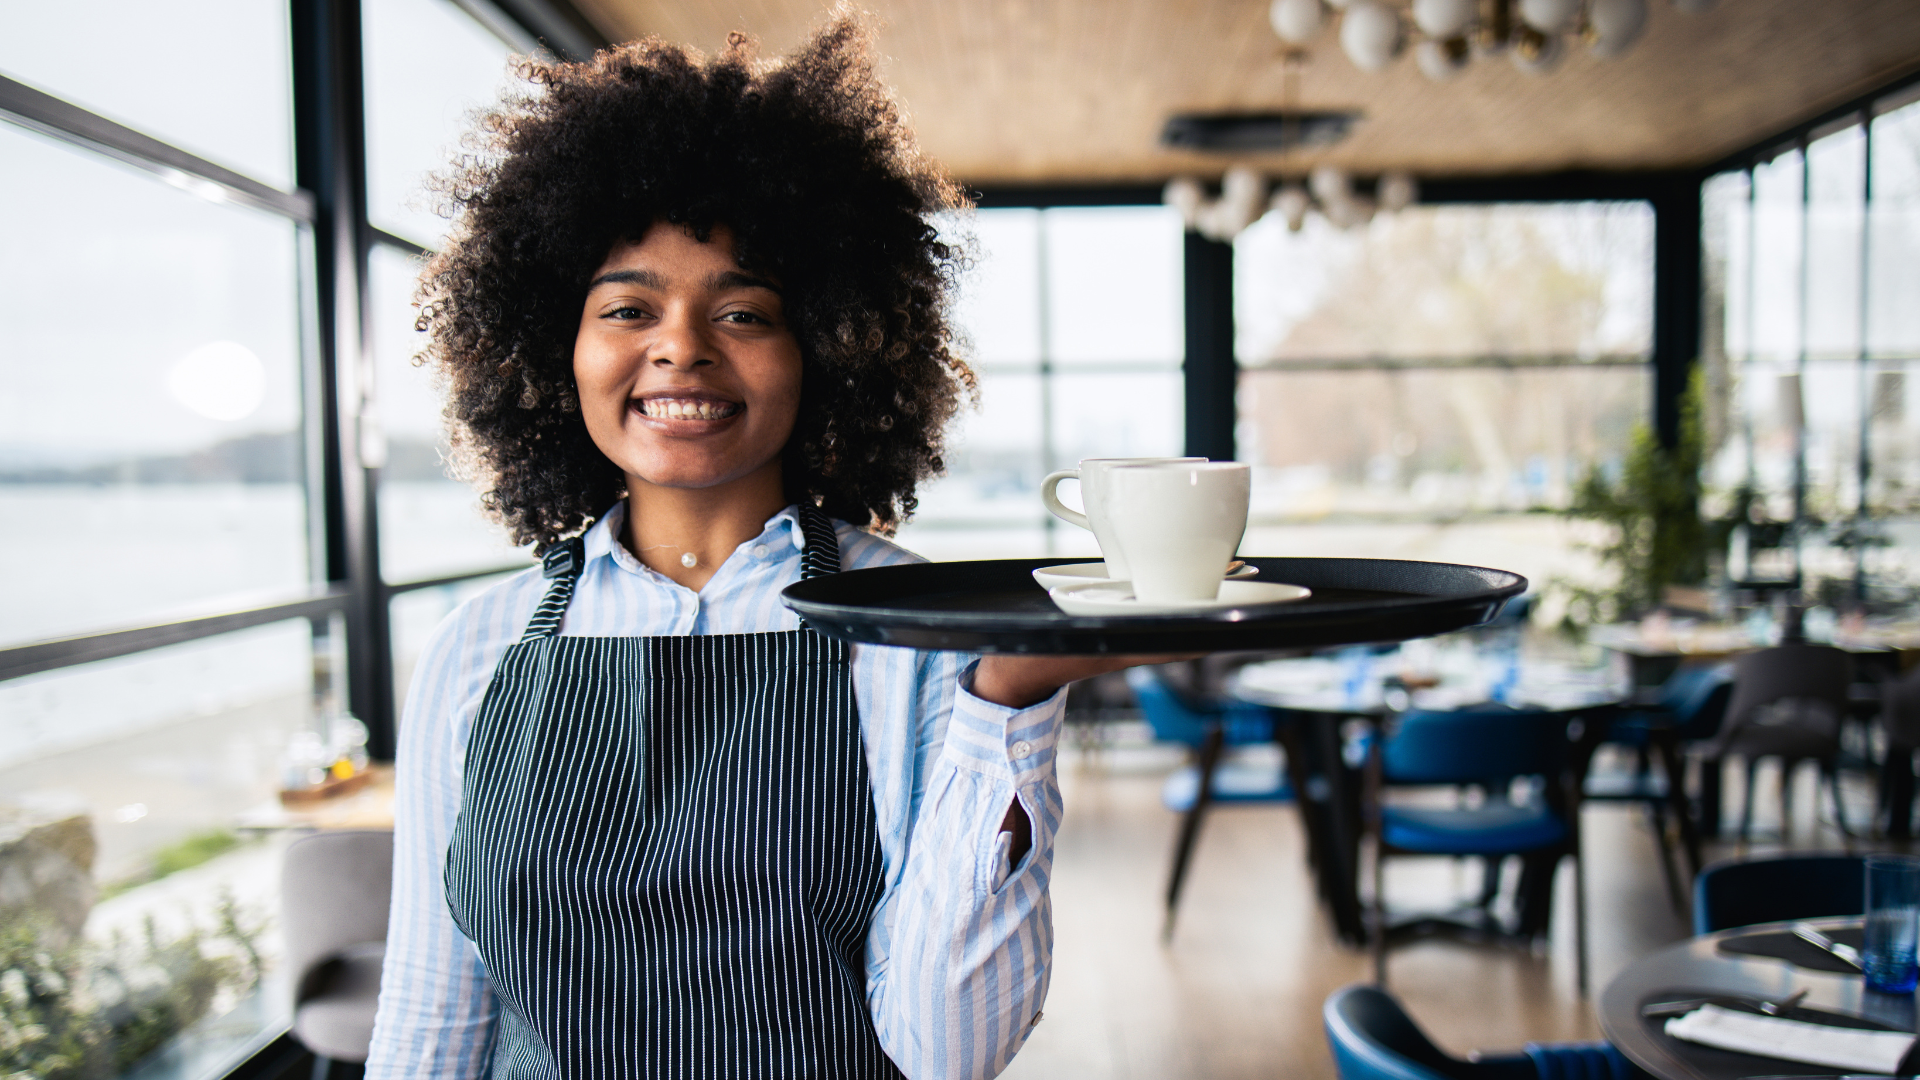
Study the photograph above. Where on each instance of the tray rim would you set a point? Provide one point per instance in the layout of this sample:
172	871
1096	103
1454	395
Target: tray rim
1509	584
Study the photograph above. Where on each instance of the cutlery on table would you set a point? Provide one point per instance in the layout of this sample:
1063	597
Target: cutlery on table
1808	933
1676	1008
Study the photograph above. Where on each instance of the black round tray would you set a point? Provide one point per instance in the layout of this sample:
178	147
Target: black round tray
995	606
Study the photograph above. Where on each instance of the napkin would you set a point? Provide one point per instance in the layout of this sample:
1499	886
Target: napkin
1793	1040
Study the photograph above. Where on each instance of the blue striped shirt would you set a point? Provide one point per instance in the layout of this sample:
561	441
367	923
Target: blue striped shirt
957	957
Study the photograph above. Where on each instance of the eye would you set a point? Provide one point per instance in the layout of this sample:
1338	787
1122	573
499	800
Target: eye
625	313
746	318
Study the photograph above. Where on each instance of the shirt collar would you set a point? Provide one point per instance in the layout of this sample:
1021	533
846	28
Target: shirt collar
603	538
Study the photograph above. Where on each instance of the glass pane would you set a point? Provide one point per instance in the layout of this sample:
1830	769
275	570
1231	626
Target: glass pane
988	505
430	523
151	781
1893	438
1115	285
216	84
1832	392
1727	237
1777	245
998	306
428	65
149	396
1893	245
1836	217
1572	279
1431	441
1125	414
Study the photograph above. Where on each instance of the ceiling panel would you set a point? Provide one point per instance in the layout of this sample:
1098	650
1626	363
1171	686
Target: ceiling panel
1056	91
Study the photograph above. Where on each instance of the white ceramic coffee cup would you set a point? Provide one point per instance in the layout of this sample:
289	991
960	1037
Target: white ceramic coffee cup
1092	476
1179	525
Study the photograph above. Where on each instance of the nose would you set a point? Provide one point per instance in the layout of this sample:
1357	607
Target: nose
680	340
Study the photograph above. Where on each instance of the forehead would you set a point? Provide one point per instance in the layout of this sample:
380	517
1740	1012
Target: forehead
665	247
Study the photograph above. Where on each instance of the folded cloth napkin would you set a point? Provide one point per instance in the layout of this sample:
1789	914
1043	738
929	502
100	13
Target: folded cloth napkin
1793	1040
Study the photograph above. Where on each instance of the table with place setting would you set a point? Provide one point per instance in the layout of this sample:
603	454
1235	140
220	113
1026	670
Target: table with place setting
1742	972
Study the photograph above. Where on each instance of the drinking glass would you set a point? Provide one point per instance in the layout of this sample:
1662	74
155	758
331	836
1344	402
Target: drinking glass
1893	903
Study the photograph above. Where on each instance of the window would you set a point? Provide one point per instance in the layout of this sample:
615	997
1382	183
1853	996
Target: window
1415	387
173	611
428	65
218	84
1811	258
150	401
1073	321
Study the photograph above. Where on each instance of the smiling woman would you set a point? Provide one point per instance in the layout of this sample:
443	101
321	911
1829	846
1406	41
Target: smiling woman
693	318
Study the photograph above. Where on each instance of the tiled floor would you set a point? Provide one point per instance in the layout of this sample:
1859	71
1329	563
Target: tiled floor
1237	995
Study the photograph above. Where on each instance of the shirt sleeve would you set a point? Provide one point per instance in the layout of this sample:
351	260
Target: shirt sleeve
969	943
436	1012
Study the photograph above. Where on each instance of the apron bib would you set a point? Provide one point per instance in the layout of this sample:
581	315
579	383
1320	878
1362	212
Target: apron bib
666	852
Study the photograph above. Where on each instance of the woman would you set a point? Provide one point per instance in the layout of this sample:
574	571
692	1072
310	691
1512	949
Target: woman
648	824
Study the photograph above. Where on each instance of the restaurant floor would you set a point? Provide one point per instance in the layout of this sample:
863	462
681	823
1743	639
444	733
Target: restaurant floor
1238	992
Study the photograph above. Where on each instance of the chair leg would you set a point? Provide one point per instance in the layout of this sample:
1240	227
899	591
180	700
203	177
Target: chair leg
1676	768
1832	769
1668	873
1746	810
1579	918
1377	916
1205	761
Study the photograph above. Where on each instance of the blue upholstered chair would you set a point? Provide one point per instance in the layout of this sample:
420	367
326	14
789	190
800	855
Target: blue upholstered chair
1206	729
1742	892
1687	708
1487	747
1372	1038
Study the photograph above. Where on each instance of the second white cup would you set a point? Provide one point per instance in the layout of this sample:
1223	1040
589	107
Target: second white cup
1179	525
1092	475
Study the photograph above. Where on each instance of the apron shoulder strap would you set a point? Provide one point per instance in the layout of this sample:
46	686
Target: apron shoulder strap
823	547
562	565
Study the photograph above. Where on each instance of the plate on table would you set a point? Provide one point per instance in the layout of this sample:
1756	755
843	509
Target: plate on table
1116	598
996	606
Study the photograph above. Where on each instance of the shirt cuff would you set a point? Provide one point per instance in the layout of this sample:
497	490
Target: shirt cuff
999	741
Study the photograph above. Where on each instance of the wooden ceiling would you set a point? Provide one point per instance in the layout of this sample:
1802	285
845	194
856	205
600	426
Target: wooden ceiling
1068	91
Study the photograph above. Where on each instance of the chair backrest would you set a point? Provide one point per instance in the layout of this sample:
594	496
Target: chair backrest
334	890
1372	1038
1742	892
1697	697
1900	709
1487	744
1175	717
1818	672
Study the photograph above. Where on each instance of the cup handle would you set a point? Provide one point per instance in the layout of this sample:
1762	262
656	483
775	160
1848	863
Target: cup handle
1062	510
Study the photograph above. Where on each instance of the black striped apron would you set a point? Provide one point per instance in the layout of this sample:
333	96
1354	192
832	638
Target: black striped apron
666	852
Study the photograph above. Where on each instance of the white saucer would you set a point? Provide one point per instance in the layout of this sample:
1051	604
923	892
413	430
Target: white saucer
1069	574
1116	598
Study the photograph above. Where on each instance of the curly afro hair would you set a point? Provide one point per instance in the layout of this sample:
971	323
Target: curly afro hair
808	163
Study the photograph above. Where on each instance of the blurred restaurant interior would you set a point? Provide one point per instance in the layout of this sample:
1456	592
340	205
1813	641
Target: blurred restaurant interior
1620	295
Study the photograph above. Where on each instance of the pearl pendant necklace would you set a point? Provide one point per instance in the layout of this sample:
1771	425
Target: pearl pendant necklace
689	560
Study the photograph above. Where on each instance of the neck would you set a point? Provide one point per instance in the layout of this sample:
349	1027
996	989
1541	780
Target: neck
666	524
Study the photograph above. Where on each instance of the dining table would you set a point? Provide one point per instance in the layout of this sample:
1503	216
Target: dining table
1749	964
1329	704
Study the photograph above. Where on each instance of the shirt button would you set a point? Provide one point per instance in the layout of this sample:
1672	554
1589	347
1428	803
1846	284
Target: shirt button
759	551
1022	749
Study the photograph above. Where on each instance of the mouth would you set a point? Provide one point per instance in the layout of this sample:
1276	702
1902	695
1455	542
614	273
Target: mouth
685	407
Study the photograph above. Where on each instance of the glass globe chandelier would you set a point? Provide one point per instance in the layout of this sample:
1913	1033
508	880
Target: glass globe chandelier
1446	35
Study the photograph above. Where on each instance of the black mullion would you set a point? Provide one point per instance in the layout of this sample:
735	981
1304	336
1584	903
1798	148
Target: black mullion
330	141
42	112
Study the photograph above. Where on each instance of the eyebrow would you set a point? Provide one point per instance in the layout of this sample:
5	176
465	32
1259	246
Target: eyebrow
723	281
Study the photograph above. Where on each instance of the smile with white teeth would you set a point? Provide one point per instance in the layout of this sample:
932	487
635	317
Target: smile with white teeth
687	408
